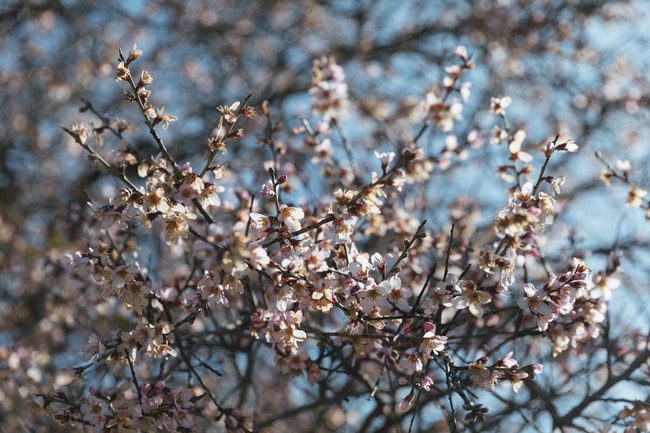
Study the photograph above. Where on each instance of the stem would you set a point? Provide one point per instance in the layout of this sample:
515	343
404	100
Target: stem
541	175
407	247
133	377
214	152
344	140
451	238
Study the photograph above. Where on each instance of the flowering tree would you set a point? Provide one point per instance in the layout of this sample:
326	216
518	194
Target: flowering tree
279	273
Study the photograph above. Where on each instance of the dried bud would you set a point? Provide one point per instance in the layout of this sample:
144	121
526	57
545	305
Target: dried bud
122	72
249	111
229	112
635	196
143	94
237	133
606	177
134	54
145	79
216	145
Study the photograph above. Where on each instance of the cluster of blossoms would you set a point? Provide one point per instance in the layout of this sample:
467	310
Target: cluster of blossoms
415	360
302	283
506	368
128	281
636	196
635	417
328	89
154	407
518	226
576	298
287	220
438	110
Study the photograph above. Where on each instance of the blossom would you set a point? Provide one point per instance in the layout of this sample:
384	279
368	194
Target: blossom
81	132
211	291
95	411
557	182
150	404
461	51
410	363
535	302
635	196
481	376
487	261
465	90
134	295
397	295
156	339
323	152
374	296
441	113
258	258
438	296
498	135
508	368
568	146
516	154
624	167
328	89
471	297
426	382
184	419
261	224
183	399
210	195
156	200
281	327
386	158
177	223
230	112
95	348
603	286
606	177
290	217
160	117
507	361
191	188
268	190
499	104
431	343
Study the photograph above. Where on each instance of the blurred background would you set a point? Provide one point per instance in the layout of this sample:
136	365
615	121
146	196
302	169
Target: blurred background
578	68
